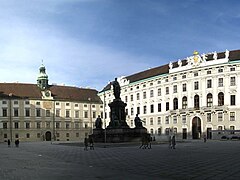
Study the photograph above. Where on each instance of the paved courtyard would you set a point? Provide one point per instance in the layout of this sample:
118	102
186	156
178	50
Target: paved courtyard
190	160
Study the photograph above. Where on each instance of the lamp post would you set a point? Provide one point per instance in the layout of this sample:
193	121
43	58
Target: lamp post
91	124
10	115
104	116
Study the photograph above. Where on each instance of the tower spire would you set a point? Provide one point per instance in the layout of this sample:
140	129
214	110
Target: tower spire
42	80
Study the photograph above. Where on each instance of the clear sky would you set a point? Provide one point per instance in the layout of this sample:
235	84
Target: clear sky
87	43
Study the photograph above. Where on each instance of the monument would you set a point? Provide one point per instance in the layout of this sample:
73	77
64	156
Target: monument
118	129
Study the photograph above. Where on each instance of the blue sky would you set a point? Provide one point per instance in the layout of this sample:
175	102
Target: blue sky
87	43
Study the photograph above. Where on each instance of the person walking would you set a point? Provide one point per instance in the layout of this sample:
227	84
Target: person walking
204	138
17	143
91	143
9	143
85	144
169	142
173	142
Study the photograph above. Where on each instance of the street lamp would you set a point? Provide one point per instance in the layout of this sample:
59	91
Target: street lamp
91	123
10	115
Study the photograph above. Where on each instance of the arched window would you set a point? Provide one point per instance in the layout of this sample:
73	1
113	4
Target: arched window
209	100
196	101
184	102
159	131
175	103
220	99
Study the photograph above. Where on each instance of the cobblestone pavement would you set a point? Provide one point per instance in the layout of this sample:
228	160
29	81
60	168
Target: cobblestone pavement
190	160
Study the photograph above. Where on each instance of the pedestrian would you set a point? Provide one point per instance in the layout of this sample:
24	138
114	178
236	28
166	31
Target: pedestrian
9	143
173	142
204	138
91	143
85	144
142	140
17	143
169	142
149	142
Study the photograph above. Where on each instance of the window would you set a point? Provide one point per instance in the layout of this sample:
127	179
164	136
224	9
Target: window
38	135
167	131
27	112
174	130
15	102
27	102
184	87
175	89
220	82
151	131
174	119
47	113
16	125
151	93
67	134
76	114
57	125
209	117
175	103
166	80
131	97
57	103
220	99
209	83
220	116
232	69
232	81
151	121
67	113
67	104
233	100
159	107
159	131
76	125
27	135
5	125
232	128
15	112
167	120
76	105
4	112
184	76
209	100
16	136
38	125
220	70
94	114
232	116
159	92
184	119
38	103
5	136
38	112
209	72
152	108
77	134
167	106
85	114
57	112
132	113
67	125
138	110
144	109
184	102
196	85
195	74
27	125
138	96
196	101
167	90
174	78
159	120
144	95
159	82
4	102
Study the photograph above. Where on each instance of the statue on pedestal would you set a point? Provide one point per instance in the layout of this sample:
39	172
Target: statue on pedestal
138	122
116	89
98	123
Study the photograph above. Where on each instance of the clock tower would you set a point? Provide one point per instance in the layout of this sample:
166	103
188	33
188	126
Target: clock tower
42	80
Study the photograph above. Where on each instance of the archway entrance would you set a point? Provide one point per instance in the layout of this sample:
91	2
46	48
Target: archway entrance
48	136
196	128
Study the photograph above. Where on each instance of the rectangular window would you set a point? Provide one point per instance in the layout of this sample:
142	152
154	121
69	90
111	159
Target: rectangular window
5	126
167	90
184	119
144	95
220	82
196	85
184	76
209	83
175	89
132	112
151	93
15	112
232	81
159	120
57	112
27	125
220	70
57	125
167	120
85	114
159	107
4	112
232	69
67	125
47	113
184	87
67	104
232	116
138	110
94	114
16	125
15	102
27	112
174	119
144	109
195	74
38	125
159	92
77	125
209	72
151	121
220	116
131	97
152	108
76	114
233	100
4	102
126	99
138	96
38	112
167	106
67	113
209	117
27	102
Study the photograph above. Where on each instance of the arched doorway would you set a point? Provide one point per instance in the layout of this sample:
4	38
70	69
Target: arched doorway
48	136
196	128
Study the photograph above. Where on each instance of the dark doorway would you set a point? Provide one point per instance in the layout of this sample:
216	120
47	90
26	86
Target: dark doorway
48	136
209	133
184	133
196	128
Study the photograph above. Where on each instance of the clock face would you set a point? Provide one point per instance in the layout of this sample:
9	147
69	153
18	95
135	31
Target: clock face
47	94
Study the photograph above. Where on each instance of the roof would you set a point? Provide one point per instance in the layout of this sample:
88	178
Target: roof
164	69
32	91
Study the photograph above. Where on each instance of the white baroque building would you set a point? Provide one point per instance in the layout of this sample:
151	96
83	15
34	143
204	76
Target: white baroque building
188	98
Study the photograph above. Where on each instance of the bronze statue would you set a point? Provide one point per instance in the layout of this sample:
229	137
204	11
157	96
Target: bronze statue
138	122
98	123
116	89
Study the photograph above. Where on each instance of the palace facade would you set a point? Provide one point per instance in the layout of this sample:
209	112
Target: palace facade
43	112
188	98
